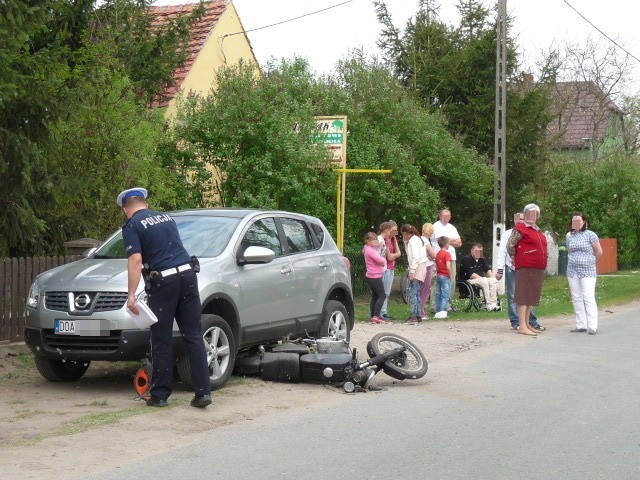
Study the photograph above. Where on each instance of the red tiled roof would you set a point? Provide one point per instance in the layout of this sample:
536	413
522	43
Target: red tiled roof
200	32
582	114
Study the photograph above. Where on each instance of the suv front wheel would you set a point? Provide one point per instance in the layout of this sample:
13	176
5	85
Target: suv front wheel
60	370
220	347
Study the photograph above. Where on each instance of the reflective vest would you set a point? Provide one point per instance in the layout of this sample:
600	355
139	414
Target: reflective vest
531	250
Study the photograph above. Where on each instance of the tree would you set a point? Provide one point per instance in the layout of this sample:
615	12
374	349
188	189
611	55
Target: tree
51	76
594	77
112	140
607	192
242	132
631	126
453	70
32	90
239	144
149	52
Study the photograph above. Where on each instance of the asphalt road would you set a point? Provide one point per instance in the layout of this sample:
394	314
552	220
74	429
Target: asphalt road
562	406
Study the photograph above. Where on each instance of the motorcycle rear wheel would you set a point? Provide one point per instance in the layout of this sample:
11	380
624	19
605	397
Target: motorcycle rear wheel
410	364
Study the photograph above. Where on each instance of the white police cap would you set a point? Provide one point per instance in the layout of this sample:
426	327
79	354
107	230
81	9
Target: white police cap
131	192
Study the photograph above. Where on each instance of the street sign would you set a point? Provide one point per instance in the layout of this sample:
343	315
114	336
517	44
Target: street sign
332	132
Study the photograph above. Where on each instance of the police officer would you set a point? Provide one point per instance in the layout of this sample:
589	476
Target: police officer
152	238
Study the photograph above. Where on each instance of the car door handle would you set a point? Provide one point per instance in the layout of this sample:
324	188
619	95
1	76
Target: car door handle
323	264
286	270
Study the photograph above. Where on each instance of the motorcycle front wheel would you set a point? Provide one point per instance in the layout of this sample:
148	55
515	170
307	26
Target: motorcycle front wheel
410	364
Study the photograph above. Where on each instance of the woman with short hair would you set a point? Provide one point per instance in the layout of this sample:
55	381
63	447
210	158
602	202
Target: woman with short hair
527	247
584	250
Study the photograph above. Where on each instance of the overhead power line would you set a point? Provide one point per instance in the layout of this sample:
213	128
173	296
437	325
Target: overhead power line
602	33
291	19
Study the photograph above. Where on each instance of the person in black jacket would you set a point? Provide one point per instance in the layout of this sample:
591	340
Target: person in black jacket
152	238
475	270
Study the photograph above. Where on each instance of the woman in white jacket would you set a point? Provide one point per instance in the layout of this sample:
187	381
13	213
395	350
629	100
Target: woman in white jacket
417	258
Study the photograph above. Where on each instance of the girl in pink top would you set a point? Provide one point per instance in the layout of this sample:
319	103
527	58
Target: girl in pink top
375	264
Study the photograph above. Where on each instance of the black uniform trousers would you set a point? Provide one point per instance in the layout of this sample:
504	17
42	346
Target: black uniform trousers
177	296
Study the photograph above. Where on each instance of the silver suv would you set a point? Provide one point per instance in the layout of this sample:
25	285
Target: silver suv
264	275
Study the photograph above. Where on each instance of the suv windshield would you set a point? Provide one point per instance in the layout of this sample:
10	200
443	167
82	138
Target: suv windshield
203	236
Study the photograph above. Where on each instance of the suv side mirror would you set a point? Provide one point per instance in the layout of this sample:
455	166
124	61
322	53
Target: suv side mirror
254	254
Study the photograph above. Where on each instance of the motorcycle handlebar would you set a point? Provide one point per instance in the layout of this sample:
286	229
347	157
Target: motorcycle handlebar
382	357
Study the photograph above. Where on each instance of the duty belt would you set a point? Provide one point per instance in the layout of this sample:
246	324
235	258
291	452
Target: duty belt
173	270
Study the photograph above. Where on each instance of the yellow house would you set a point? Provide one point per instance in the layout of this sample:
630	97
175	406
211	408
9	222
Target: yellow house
217	40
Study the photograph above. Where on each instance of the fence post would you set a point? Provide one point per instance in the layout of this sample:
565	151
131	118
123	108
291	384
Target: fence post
4	298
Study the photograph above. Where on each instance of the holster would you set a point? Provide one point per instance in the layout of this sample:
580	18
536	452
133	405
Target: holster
145	277
155	277
195	264
150	277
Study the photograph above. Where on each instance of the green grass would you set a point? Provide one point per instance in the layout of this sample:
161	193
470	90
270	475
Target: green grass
614	289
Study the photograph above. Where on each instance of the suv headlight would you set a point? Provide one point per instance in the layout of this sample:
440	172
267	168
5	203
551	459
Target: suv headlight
34	295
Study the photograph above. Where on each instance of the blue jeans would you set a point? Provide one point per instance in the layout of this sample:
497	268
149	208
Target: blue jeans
435	288
387	281
510	287
414	298
442	297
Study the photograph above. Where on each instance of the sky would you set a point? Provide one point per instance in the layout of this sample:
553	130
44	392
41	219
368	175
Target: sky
325	37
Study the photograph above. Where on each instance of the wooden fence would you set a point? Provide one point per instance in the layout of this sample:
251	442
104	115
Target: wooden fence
16	276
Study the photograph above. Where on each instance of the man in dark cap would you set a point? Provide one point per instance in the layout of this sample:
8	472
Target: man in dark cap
152	238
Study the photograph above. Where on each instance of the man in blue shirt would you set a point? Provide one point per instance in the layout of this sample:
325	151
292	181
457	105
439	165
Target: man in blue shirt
152	238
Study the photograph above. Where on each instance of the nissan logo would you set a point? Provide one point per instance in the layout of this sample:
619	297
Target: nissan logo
82	301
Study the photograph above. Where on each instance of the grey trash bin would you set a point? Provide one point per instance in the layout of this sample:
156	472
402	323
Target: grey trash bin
563	259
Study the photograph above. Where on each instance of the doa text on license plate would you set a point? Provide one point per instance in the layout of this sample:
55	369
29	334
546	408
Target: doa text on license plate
66	327
88	327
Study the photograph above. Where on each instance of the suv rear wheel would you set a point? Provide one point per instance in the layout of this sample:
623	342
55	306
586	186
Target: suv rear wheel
220	347
334	321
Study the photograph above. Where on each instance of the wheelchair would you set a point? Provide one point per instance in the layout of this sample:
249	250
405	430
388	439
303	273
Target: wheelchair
464	298
467	296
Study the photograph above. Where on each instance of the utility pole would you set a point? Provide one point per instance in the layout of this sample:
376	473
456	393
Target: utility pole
500	143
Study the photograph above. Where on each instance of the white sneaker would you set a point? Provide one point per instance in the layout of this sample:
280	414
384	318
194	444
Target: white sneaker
442	314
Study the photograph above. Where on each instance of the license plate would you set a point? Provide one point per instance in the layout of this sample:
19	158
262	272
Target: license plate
86	328
64	327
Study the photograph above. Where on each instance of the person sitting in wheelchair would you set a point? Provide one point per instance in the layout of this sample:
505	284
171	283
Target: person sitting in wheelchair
475	270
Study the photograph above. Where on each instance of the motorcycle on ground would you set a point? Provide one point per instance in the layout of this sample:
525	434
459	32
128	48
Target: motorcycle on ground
331	360
327	360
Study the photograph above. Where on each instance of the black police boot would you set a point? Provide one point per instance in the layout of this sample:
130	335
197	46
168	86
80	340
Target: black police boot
156	402
201	401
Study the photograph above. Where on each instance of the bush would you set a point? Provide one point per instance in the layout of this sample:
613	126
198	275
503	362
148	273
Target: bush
607	192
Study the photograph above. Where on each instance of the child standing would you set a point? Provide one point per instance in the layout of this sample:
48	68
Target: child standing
443	265
375	264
